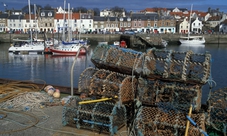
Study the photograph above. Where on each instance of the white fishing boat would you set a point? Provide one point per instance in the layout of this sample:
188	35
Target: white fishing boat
193	40
26	46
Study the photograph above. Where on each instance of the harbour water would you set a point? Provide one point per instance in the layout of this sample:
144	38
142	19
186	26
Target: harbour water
56	70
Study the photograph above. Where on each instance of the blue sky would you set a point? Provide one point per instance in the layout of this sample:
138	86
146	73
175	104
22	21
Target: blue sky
134	5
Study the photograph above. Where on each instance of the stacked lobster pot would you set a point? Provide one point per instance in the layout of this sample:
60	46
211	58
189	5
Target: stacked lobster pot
165	82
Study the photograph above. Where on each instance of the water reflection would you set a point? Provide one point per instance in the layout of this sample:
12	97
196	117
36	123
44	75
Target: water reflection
53	69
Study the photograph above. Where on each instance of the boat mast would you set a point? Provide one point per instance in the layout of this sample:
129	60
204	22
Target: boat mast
63	35
35	22
69	32
189	22
30	19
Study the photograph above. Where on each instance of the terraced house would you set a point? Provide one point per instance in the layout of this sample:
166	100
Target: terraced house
150	20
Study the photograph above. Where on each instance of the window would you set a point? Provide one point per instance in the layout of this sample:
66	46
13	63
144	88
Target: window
43	14
125	24
50	14
121	24
148	24
135	24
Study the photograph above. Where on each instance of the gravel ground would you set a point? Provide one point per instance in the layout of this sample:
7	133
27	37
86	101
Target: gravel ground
50	124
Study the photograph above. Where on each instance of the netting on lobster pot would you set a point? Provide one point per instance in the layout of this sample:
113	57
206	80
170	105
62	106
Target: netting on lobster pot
97	82
156	63
218	112
115	85
177	65
154	121
112	84
70	108
98	57
169	95
115	59
198	68
103	117
85	79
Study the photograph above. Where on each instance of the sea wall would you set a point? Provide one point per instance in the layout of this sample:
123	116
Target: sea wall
171	38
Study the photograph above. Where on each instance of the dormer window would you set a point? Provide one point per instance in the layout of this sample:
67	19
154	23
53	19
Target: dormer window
128	19
42	14
50	14
121	19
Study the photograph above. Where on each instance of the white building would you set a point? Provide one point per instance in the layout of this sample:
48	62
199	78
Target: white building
196	26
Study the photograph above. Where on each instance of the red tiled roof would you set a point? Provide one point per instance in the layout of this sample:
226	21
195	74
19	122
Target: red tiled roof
61	16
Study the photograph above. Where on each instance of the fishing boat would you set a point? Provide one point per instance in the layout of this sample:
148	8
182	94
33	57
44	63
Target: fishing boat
70	49
192	40
26	46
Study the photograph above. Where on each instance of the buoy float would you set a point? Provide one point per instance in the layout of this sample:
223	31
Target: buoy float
56	93
49	89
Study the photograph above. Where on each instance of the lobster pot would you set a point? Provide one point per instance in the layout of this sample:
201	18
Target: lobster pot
97	82
69	110
218	112
113	85
115	59
176	69
175	95
108	84
99	55
104	117
174	66
155	63
198	68
151	121
85	79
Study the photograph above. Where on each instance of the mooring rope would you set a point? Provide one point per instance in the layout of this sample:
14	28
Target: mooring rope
10	90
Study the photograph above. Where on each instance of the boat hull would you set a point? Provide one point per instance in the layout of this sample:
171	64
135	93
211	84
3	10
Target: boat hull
67	51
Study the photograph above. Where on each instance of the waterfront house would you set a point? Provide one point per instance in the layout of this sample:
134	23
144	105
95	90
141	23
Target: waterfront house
30	23
167	24
46	20
111	24
69	23
15	23
223	26
98	24
85	22
125	23
184	26
3	22
196	26
142	23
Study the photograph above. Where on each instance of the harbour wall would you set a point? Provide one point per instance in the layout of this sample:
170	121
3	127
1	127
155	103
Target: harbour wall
171	38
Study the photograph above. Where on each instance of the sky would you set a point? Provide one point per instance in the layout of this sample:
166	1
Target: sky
129	5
